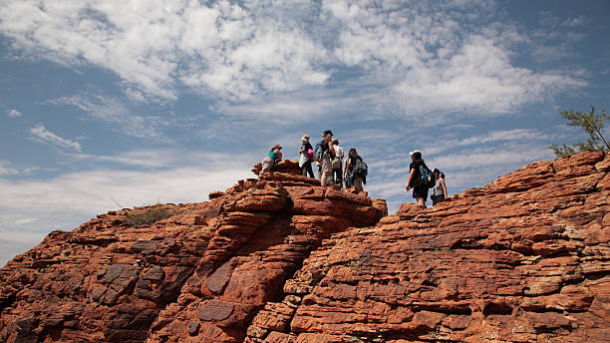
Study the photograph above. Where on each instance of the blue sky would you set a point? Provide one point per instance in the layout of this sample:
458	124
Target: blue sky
108	103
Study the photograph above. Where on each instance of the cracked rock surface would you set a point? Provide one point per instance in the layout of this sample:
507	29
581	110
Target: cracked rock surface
200	275
279	259
523	259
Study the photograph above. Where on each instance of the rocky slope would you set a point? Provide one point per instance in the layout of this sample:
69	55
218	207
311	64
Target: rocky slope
199	275
524	259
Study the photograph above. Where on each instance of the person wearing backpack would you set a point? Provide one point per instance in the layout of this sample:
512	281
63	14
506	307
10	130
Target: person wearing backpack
272	159
338	163
355	171
420	178
306	156
439	192
325	152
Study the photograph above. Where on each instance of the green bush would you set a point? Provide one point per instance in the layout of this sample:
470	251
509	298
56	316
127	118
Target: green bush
148	215
593	124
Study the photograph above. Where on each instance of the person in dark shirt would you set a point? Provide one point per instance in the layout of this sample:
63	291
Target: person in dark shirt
351	179
420	193
307	156
328	153
439	192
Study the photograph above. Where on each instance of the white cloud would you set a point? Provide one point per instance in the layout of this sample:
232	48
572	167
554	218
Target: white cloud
222	48
40	133
576	22
6	169
162	158
415	58
13	113
492	158
478	78
548	18
519	135
115	113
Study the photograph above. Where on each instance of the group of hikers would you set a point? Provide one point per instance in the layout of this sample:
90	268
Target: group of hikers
334	168
329	157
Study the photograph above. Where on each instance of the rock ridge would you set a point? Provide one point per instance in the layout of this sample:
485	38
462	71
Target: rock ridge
523	259
199	275
279	259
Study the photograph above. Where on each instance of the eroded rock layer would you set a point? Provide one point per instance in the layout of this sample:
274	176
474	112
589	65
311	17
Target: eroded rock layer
200	275
524	259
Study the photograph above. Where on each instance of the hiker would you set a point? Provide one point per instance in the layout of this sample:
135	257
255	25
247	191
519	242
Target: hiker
355	171
439	192
272	159
306	157
420	178
338	163
325	152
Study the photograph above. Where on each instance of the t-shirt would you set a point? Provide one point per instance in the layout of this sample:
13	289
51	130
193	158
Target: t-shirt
272	155
338	152
415	165
353	161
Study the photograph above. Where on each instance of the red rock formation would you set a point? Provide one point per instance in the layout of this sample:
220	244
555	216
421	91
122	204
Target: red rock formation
524	259
199	275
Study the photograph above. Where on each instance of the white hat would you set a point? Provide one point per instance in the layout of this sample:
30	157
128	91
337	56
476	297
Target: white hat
413	152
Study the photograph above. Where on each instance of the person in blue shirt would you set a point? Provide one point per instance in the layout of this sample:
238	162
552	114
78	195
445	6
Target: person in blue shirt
272	159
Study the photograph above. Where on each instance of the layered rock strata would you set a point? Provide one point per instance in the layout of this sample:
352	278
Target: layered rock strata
200	275
524	259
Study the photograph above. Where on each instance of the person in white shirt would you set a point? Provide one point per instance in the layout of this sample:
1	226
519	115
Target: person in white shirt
338	163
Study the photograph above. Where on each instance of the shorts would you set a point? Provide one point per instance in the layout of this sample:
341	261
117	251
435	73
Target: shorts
437	198
327	165
420	192
267	164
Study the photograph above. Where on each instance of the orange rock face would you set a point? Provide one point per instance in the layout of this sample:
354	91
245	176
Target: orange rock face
278	259
524	259
200	275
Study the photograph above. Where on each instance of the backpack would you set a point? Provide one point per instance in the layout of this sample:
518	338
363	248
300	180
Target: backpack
321	150
318	151
361	169
426	178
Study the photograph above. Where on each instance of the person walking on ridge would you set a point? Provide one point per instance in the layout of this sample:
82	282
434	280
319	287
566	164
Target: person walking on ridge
439	192
306	156
418	178
338	164
355	171
325	153
272	159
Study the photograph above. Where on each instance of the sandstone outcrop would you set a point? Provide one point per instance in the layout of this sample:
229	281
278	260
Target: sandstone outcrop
524	259
199	275
279	259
